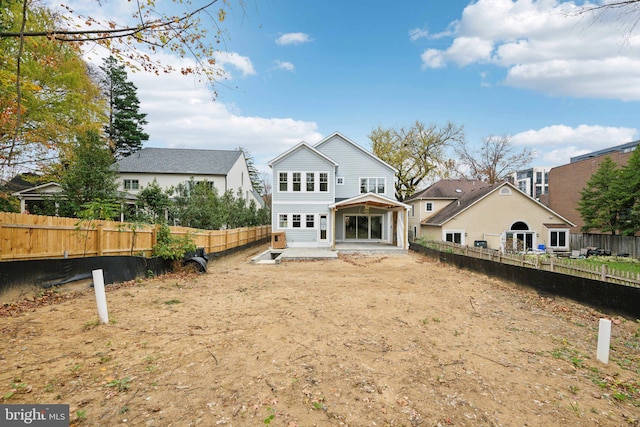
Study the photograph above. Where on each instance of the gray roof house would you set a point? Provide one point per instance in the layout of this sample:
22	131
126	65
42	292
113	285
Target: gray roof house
336	191
222	169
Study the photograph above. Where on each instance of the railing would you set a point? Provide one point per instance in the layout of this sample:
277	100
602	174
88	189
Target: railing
573	267
25	236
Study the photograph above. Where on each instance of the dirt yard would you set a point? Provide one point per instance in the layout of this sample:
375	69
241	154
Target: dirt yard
365	340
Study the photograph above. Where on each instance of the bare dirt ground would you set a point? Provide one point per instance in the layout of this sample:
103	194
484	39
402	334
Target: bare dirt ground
365	340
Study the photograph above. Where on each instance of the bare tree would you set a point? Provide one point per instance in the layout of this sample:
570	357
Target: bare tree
625	12
494	161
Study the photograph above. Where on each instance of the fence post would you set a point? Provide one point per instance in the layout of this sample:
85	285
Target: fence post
603	272
1	240
99	236
551	264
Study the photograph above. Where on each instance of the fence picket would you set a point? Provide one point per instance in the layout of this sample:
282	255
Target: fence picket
25	236
558	265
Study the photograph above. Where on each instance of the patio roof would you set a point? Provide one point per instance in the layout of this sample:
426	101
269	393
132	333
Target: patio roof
370	199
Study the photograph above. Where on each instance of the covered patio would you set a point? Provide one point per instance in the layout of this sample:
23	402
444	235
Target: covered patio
369	219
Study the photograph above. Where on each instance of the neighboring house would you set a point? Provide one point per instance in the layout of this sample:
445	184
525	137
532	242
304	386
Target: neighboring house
567	181
335	191
221	169
534	182
470	212
35	195
434	198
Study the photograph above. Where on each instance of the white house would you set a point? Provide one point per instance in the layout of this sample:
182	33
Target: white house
335	191
222	169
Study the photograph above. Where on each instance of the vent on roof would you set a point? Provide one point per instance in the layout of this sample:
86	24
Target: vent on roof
458	190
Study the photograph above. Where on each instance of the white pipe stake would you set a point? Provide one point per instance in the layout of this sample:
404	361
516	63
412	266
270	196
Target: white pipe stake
101	297
604	339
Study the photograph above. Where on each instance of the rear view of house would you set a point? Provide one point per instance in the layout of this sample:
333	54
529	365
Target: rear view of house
335	191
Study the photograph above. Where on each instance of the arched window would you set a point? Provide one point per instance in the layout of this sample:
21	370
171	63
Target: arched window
519	225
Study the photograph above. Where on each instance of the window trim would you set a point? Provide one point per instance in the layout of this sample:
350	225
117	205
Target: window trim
303	180
428	206
286	220
565	231
305	219
131	184
376	184
285	182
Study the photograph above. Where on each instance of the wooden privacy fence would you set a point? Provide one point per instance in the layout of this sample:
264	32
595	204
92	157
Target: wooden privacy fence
25	236
568	266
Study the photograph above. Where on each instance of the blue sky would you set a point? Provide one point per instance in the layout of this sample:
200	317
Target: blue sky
558	83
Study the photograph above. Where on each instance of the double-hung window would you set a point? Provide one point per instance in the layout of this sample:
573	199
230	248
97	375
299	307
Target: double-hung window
297	181
310	223
283	221
324	181
296	221
558	238
311	181
284	181
131	184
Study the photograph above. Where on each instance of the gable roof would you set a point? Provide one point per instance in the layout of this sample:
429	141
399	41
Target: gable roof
372	199
49	187
469	198
449	189
300	146
364	151
180	161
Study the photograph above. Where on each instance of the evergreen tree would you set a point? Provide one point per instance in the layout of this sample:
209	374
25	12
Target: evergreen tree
253	171
89	176
600	201
125	126
629	190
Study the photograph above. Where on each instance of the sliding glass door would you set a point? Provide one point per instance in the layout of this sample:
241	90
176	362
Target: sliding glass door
363	227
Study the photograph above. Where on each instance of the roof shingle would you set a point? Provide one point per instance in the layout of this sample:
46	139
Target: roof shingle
180	161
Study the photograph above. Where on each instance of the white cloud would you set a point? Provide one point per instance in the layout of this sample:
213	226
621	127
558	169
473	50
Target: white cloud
182	114
293	38
418	33
556	144
545	46
239	62
284	65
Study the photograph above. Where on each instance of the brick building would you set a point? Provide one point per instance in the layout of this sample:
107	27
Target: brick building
567	181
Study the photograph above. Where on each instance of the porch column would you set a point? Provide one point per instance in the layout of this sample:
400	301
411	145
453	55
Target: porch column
333	229
405	239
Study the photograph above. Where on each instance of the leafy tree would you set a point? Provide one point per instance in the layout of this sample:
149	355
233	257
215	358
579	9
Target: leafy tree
494	161
46	94
600	200
198	205
124	128
628	187
417	152
151	27
89	176
152	203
